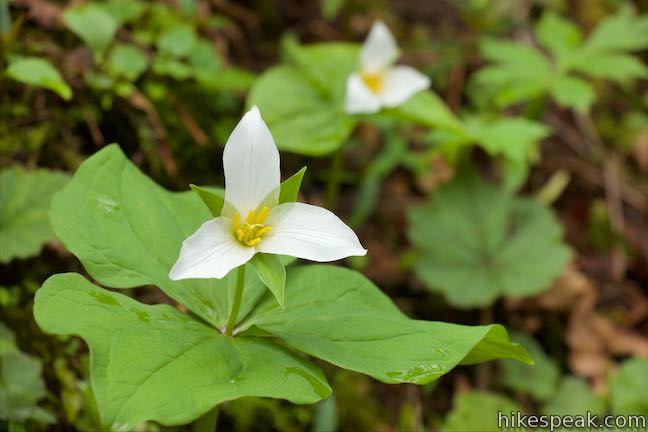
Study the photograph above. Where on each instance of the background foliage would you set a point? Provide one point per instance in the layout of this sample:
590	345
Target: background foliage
514	191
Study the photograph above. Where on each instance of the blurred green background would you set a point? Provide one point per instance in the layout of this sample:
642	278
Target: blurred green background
554	175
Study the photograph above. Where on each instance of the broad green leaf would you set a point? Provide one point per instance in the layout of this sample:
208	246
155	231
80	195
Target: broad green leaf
339	316
127	231
539	380
21	385
212	200
156	363
123	11
574	397
302	120
205	63
25	199
93	25
573	93
429	110
473	242
628	390
290	187
178	40
558	34
127	61
272	273
326	65
38	72
515	138
477	411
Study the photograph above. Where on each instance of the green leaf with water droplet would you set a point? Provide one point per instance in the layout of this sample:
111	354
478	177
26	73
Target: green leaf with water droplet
127	231
474	239
143	357
24	201
339	316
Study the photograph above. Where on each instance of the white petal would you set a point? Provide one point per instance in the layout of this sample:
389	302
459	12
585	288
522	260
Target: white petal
211	252
251	164
401	83
379	49
359	98
309	232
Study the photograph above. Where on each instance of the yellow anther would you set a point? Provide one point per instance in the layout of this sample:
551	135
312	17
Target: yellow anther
373	80
250	232
263	215
253	241
250	218
236	222
262	231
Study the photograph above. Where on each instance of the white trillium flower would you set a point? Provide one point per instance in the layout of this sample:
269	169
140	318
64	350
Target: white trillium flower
379	83
253	221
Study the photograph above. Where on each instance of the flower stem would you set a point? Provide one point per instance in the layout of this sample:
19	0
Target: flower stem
238	296
334	177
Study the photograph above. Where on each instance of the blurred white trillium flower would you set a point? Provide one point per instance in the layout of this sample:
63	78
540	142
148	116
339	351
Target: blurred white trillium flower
252	220
379	83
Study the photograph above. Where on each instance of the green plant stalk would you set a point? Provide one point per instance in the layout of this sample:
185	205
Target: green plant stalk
334	178
238	296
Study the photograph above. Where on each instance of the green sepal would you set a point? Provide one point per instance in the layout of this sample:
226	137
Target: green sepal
272	273
213	201
290	187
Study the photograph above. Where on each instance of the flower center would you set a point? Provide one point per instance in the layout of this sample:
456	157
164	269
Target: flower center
373	80
252	229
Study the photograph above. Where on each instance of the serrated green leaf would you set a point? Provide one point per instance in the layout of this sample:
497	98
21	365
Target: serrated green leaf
477	411
518	72
301	118
290	187
616	67
93	25
272	273
212	200
127	61
143	357
339	316
21	385
573	93
516	138
178	40
558	34
127	231
620	32
25	199
539	380
39	72
628	390
574	397
473	241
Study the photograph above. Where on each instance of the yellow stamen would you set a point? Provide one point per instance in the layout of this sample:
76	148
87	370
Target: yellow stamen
249	233
373	80
263	215
253	241
250	218
236	222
